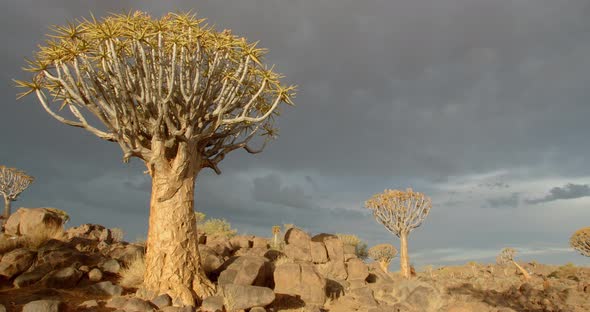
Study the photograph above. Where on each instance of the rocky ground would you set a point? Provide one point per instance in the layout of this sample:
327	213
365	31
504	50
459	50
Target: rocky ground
83	269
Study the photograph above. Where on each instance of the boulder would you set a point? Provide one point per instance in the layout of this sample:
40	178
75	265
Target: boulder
219	245
245	270
16	262
110	266
43	306
241	241
2	308
29	278
212	304
356	269
209	259
116	302
89	304
238	297
105	288
254	251
298	253
300	279
335	267
55	254
62	278
95	275
260	242
138	305
88	231
318	252
297	237
377	275
29	221
162	300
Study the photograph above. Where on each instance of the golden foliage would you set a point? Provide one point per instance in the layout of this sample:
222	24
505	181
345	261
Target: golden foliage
400	211
580	241
382	252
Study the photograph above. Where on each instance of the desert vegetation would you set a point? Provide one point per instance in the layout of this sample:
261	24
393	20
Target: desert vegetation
172	92
400	212
383	253
12	183
580	241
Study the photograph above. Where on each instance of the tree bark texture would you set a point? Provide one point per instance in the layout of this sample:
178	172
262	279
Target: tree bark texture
6	207
173	263
384	265
404	259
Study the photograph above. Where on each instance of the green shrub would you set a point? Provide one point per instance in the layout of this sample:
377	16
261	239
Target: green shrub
218	227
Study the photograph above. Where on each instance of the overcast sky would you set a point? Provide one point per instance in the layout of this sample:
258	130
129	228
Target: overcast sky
481	104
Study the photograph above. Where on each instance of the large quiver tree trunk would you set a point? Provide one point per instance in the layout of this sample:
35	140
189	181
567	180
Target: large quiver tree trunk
173	263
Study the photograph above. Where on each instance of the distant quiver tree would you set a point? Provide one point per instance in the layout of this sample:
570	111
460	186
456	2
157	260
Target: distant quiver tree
580	241
12	183
383	253
400	212
172	92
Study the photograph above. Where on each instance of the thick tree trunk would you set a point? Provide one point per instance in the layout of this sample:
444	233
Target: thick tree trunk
172	261
6	207
384	265
404	259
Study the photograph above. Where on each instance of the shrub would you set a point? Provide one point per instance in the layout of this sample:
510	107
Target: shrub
360	247
42	235
132	274
62	214
218	227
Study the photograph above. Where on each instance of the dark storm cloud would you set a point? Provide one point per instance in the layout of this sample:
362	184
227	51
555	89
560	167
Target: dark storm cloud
270	189
568	191
503	202
392	94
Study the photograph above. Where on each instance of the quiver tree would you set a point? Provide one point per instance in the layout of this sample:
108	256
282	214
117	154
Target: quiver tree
172	92
12	183
400	212
506	256
580	241
383	253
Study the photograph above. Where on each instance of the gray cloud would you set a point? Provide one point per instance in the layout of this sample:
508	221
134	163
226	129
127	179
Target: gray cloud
270	189
392	94
569	191
503	202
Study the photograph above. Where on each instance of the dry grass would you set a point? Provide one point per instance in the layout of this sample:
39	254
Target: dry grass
132	274
43	234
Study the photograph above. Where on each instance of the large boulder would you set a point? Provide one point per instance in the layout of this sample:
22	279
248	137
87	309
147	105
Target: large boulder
318	252
302	280
62	278
246	270
210	261
220	245
377	275
357	270
297	237
335	267
124	252
55	254
30	221
298	253
241	297
16	262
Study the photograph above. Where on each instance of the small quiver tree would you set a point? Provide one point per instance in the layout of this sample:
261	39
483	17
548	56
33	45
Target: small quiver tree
172	92
383	253
506	256
580	241
400	212
12	183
